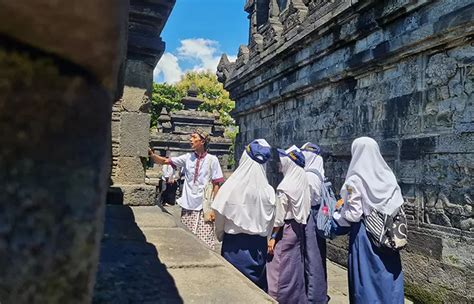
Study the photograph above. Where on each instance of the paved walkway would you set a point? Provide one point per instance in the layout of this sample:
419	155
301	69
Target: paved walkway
148	257
337	275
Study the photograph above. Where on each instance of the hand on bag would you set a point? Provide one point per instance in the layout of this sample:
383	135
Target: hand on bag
150	152
271	246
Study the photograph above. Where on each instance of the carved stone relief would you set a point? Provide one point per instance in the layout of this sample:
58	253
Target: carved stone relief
242	56
271	35
225	68
439	210
315	4
450	85
271	32
294	15
440	69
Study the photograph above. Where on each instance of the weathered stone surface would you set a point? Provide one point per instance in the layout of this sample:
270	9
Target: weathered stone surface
129	170
144	261
31	23
398	71
136	194
189	128
187	257
139	74
130	127
133	99
135	134
337	250
130	268
115	127
54	145
434	281
194	284
153	217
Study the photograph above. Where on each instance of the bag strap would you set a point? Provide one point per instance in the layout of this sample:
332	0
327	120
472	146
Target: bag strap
210	169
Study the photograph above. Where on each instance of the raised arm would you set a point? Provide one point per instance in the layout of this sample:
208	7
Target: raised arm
158	159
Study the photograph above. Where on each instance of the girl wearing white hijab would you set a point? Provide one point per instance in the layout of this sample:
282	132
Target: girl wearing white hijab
245	209
375	274
315	247
285	270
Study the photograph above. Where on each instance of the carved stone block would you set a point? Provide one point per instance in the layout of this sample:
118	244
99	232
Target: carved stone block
134	134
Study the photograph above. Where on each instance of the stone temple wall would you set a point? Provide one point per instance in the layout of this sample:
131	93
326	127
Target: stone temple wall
399	71
130	118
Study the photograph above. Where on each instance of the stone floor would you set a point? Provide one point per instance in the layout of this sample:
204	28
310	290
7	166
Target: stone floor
337	275
148	257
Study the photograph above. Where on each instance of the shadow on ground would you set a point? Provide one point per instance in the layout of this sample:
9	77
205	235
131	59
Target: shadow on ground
130	270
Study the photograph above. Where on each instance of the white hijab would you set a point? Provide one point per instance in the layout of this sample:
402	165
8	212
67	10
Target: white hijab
246	198
314	162
373	178
295	186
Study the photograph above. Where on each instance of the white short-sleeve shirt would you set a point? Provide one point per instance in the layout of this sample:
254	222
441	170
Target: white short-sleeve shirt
198	171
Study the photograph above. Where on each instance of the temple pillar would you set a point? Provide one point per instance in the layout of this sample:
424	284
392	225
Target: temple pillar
59	66
130	134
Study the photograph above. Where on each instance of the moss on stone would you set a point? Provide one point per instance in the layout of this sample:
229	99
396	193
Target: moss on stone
420	295
453	259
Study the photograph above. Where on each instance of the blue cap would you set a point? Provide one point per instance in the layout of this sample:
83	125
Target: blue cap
310	147
257	152
294	154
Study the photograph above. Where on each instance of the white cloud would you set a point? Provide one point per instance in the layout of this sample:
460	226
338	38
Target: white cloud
169	67
202	54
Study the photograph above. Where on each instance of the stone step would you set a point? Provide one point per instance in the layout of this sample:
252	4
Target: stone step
147	257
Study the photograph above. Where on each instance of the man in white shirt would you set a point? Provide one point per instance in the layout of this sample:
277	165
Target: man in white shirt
199	168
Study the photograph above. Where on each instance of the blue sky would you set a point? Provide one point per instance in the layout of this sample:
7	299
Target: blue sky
197	33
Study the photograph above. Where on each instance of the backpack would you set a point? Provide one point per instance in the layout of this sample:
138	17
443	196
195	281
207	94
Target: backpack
327	207
386	230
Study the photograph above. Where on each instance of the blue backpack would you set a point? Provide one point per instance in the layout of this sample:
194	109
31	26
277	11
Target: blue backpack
323	218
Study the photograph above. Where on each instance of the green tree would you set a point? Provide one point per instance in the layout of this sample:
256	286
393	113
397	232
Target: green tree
216	98
231	133
164	96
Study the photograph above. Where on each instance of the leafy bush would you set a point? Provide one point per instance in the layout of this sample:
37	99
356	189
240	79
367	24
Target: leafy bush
216	100
164	96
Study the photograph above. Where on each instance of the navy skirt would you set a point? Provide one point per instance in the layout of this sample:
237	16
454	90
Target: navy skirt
285	269
247	253
375	274
315	262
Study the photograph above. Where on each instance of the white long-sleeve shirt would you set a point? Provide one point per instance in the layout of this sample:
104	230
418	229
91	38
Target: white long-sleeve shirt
353	208
282	211
315	188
